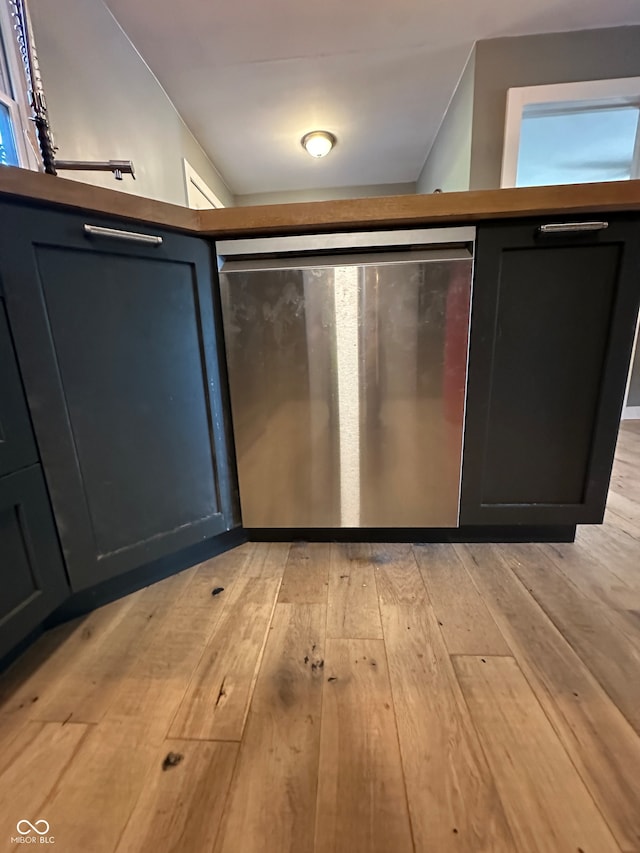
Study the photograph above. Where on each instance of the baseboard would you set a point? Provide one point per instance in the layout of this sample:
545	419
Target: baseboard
512	533
84	602
631	413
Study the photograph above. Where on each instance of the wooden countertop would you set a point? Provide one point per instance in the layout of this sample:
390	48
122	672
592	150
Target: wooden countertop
362	213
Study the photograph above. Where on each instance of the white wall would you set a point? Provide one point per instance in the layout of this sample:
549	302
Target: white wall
105	103
448	165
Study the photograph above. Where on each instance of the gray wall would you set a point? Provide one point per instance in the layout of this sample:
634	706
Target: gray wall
532	61
448	166
293	196
105	103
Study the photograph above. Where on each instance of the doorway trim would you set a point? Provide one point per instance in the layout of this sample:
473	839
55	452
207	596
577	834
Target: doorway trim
197	187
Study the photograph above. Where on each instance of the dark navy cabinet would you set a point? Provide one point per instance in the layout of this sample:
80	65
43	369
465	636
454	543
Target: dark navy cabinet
552	329
32	576
116	330
17	444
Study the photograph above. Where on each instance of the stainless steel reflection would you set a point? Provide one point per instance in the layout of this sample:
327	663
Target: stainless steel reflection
348	383
303	243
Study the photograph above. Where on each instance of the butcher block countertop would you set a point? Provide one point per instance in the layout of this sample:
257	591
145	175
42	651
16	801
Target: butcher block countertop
341	215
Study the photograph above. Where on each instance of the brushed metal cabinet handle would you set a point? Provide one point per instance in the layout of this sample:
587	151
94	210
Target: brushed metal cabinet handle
116	234
560	227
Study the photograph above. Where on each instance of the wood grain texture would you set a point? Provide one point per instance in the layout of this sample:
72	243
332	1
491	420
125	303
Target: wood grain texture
64	192
181	808
466	625
65	650
273	798
92	802
306	574
216	700
452	798
32	764
352	611
361	795
602	744
547	805
412	210
398	580
152	689
85	692
387	211
598	635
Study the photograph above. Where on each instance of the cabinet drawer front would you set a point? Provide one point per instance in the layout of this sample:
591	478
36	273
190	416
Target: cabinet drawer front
552	328
17	445
119	354
32	574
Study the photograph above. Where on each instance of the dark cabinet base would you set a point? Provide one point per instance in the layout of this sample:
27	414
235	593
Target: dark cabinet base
33	577
484	533
81	603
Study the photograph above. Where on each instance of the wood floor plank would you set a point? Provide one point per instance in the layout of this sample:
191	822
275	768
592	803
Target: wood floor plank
84	691
623	505
361	802
180	808
306	575
616	552
352	611
14	729
466	624
271	807
91	804
546	802
453	801
606	644
398	579
596	571
220	572
41	753
266	560
153	687
600	741
216	701
24	682
630	529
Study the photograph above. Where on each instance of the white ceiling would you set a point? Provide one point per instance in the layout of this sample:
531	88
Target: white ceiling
251	77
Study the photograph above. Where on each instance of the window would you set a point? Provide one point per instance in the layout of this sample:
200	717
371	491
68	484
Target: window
572	133
17	138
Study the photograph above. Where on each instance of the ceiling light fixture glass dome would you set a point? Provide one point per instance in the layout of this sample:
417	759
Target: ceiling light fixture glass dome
318	143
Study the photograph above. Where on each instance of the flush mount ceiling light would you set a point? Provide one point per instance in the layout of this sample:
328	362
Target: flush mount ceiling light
318	143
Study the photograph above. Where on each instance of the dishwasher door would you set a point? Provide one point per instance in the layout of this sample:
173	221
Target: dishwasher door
347	375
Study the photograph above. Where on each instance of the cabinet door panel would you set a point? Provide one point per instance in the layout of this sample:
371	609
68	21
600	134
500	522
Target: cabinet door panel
17	446
127	339
32	574
552	328
118	349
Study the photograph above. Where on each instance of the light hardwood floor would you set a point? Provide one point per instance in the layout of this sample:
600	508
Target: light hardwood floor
347	698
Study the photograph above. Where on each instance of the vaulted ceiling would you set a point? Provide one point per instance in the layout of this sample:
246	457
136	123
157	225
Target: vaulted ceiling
251	77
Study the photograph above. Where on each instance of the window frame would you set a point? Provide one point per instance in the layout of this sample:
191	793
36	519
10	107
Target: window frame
622	91
18	99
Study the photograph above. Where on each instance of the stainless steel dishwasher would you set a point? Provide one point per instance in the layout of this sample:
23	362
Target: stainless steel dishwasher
347	358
